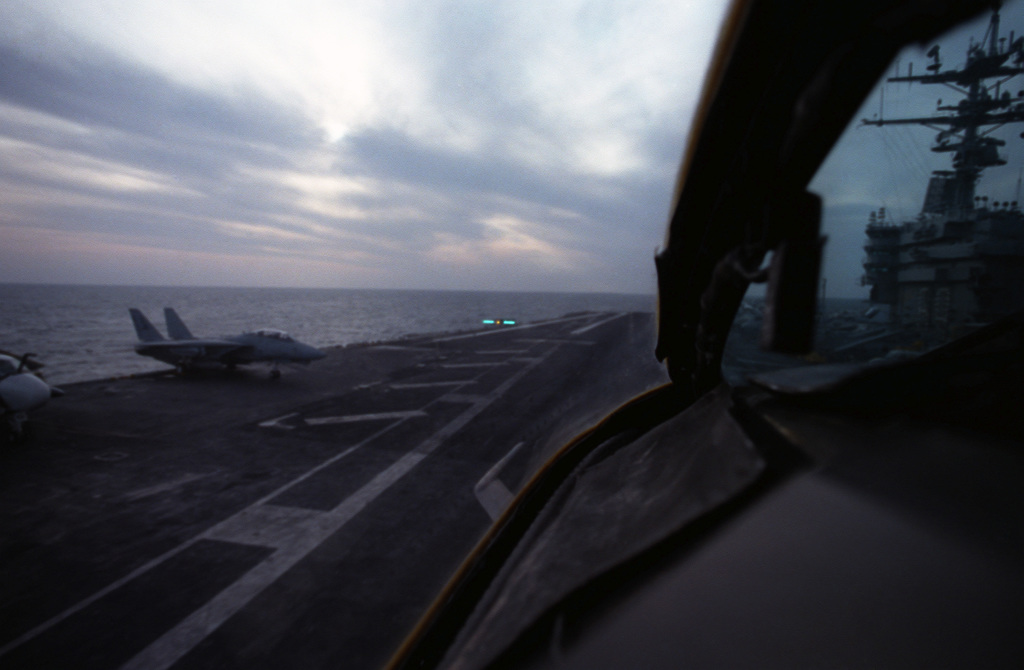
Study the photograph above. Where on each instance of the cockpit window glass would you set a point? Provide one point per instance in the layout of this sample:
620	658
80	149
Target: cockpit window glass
274	334
921	206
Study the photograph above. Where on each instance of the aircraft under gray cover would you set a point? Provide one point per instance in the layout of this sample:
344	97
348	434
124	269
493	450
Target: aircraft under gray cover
184	350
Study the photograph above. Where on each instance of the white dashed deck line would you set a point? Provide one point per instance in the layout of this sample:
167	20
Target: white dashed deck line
492	494
356	418
584	329
294	540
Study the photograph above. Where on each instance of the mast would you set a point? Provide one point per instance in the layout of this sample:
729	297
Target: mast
967	124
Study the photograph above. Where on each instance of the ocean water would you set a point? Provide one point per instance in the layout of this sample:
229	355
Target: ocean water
84	332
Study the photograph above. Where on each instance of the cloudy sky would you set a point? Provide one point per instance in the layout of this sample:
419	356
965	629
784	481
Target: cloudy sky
506	145
439	144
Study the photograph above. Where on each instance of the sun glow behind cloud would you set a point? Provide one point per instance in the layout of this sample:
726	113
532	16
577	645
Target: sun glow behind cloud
371	144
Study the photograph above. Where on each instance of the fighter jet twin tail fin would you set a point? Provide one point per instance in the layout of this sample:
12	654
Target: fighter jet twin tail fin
147	332
176	328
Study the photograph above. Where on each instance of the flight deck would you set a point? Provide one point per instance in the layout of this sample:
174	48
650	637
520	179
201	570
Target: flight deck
221	519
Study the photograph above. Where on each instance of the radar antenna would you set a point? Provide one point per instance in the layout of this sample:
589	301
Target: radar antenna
968	123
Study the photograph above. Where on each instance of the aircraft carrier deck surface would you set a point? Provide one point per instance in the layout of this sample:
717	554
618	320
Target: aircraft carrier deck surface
226	520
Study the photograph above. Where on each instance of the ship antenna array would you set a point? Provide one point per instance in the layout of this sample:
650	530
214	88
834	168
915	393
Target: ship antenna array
961	125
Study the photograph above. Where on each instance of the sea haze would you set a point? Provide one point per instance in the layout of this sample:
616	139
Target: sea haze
84	332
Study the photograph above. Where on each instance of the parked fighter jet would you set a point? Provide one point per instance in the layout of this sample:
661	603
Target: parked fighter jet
184	350
21	391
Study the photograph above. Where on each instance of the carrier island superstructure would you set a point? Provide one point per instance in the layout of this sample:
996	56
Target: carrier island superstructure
960	263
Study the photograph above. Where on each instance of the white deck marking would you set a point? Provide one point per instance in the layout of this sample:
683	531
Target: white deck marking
294	539
580	331
276	423
265	526
149	565
166	486
400	347
587	343
490	491
355	418
426	385
487	364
